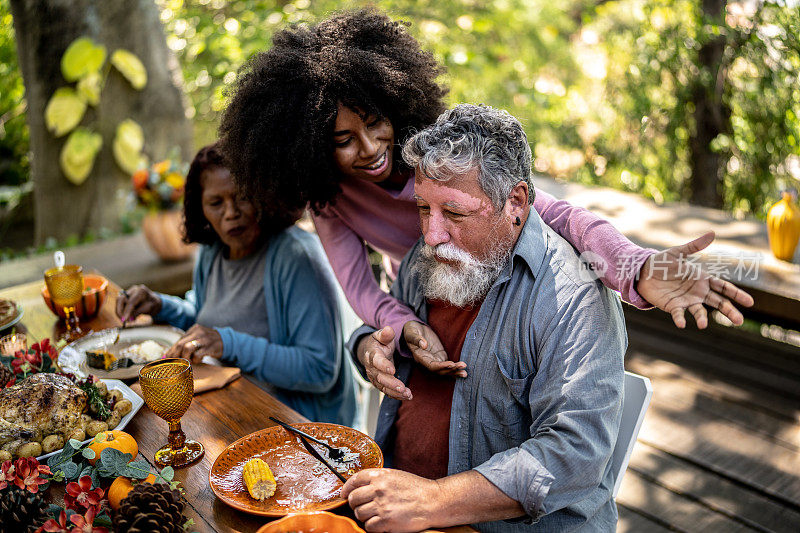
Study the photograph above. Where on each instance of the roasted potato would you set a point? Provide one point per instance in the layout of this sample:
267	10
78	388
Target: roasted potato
86	420
123	407
4	456
52	443
94	427
115	395
78	434
114	419
102	388
29	449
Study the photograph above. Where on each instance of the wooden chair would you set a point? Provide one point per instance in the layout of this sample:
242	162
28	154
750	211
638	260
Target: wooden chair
637	395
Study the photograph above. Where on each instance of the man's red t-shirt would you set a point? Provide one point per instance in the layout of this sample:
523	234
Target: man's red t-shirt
422	425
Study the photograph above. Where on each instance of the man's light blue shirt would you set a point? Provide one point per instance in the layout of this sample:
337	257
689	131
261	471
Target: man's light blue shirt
539	414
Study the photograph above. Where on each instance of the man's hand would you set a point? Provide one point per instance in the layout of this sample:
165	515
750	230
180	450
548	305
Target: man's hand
375	353
673	284
197	343
391	500
428	351
137	300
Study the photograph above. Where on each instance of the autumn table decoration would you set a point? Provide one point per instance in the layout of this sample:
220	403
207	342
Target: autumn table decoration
160	190
22	507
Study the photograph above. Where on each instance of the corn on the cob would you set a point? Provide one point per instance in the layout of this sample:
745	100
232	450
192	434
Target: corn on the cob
258	479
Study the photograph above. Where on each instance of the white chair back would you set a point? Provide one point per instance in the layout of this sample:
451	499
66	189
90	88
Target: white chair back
636	399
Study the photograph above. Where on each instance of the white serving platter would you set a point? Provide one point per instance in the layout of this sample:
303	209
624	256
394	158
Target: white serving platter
128	394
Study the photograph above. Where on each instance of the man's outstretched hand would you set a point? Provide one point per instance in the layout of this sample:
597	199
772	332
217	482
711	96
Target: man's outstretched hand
669	281
374	351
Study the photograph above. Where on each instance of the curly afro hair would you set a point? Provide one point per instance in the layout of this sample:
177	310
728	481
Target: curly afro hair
277	131
196	226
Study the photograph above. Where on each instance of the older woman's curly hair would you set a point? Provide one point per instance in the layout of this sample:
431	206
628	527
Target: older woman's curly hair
277	131
196	226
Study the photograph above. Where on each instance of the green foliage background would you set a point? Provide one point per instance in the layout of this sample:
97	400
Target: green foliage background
603	87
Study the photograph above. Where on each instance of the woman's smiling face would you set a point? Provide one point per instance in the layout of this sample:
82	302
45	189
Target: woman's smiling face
363	146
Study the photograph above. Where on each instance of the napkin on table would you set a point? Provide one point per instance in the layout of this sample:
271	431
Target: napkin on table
207	377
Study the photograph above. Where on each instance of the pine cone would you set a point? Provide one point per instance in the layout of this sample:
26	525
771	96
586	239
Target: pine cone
150	508
5	375
21	511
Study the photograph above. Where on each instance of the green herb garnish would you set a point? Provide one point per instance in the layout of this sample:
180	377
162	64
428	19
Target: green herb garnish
95	399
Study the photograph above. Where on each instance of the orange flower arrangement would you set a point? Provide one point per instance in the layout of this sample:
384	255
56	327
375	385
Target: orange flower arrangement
160	187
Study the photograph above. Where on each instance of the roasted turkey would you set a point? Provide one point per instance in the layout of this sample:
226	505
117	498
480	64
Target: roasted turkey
43	404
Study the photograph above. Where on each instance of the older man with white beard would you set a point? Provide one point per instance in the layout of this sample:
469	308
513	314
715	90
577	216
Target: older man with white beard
518	436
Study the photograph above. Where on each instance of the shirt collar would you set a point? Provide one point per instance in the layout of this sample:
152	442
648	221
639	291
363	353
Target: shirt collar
531	246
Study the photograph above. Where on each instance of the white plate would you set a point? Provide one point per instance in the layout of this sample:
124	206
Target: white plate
14	320
73	357
128	394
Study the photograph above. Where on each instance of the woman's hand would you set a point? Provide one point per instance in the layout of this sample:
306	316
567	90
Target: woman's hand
137	300
428	351
197	343
669	281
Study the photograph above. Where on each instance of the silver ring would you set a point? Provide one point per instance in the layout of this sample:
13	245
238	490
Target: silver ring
194	344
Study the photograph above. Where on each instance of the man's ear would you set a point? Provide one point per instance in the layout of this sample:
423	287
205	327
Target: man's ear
517	204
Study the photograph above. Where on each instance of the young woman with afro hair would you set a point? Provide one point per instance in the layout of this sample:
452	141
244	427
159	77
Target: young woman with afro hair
318	120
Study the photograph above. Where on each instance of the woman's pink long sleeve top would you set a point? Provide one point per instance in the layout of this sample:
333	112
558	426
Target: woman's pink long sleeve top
389	222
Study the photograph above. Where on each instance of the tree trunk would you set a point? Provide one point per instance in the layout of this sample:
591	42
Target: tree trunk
711	117
44	29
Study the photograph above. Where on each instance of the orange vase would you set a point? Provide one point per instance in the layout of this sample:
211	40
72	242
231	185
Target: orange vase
163	233
783	227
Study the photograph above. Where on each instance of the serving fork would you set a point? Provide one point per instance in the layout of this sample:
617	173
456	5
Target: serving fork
336	453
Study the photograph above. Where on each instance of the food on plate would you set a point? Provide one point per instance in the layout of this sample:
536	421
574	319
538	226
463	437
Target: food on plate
118	440
143	352
258	479
8	311
100	359
40	413
41	405
52	443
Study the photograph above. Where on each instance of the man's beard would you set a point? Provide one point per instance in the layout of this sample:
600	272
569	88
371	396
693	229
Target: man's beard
462	284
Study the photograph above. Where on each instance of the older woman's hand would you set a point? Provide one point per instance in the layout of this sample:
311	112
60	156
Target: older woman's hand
197	343
137	300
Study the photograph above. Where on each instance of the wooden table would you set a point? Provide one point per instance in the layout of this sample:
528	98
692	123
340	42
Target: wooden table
215	418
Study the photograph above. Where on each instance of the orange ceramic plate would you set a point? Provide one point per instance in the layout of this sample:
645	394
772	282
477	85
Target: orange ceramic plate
313	521
304	484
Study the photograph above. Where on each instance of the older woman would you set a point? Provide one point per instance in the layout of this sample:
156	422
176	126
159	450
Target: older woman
263	297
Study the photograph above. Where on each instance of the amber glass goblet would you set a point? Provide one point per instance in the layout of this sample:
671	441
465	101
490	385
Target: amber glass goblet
168	387
65	285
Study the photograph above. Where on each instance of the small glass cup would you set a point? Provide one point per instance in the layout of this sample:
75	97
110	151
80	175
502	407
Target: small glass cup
65	285
13	343
168	387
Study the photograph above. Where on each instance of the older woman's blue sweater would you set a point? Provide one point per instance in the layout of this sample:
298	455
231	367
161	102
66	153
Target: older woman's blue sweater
304	357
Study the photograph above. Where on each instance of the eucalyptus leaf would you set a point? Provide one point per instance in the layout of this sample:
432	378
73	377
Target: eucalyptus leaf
74	444
54	510
131	67
78	154
64	111
71	470
86	471
113	463
168	473
81	57
136	469
88	453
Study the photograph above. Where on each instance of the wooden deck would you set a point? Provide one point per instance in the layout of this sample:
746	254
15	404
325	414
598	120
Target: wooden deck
720	446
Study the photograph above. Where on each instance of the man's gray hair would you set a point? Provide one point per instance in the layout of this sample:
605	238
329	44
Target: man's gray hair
474	136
